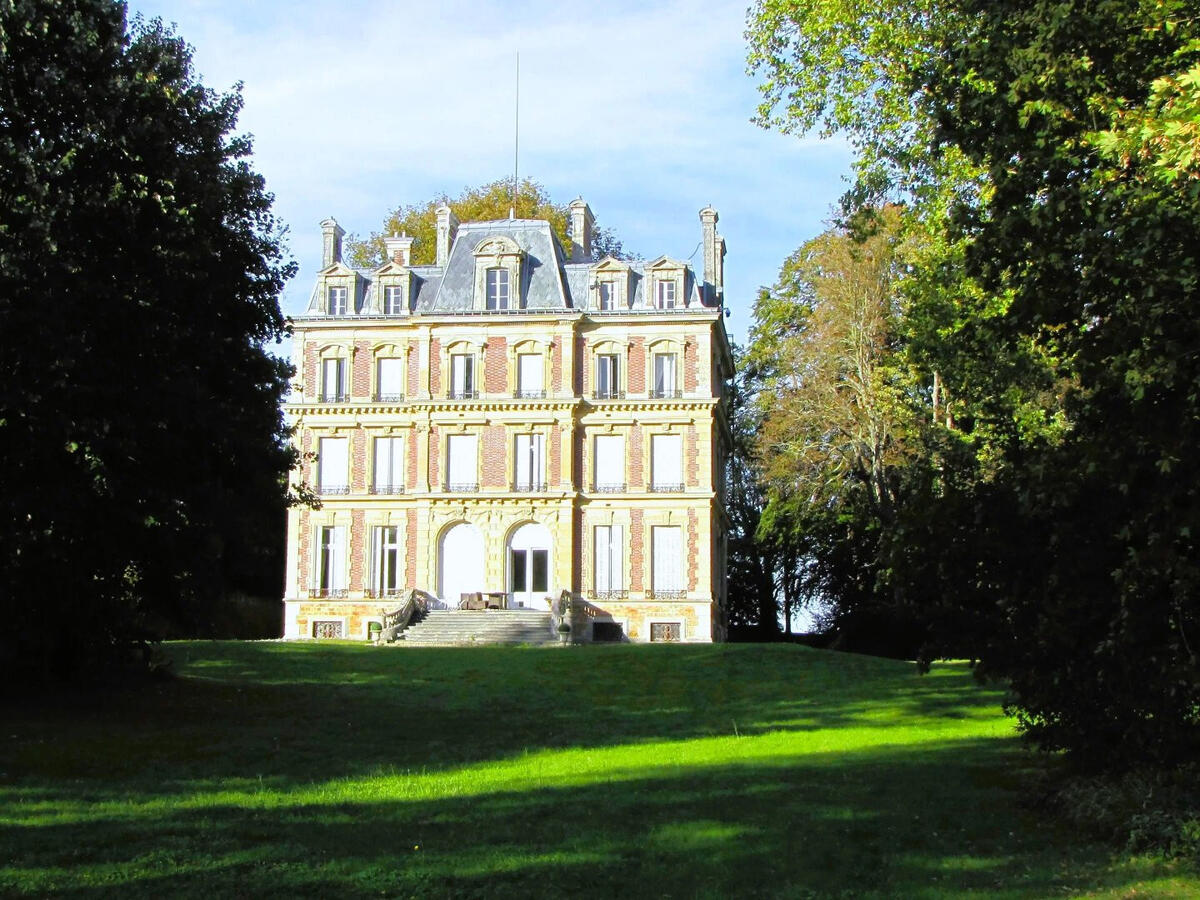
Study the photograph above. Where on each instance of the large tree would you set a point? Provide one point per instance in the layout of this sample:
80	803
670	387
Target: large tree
143	454
1050	152
487	202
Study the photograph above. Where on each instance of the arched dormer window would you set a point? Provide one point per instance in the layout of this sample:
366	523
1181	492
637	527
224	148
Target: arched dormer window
498	262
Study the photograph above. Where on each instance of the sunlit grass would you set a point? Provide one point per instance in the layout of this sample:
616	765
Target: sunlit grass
343	770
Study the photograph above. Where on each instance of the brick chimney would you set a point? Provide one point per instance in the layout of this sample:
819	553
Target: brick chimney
331	233
399	248
447	228
582	221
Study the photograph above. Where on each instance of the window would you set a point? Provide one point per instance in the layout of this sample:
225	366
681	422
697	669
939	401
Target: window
333	466
607	372
609	294
389	380
336	301
669	632
666	452
664	376
333	381
389	468
497	289
608	559
462	468
530	570
664	294
528	461
385	561
610	464
331	561
529	376
668	561
393	300
462	376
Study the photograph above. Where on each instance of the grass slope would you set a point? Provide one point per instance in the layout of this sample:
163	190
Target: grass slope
274	769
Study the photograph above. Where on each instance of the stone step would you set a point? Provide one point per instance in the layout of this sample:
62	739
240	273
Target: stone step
492	626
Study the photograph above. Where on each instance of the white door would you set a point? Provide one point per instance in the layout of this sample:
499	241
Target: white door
529	566
460	563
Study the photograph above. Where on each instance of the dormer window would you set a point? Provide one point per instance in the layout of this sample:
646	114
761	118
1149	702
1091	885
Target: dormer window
497	289
393	300
664	295
609	295
336	301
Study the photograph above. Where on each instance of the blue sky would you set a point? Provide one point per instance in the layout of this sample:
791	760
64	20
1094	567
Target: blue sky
643	109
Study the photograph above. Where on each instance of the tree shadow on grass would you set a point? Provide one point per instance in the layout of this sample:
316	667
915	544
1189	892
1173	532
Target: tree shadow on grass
888	822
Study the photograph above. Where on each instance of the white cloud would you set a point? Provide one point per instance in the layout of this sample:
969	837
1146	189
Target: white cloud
642	109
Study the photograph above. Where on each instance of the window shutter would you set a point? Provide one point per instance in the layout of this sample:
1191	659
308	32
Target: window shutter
391	374
333	463
666	463
338	580
610	460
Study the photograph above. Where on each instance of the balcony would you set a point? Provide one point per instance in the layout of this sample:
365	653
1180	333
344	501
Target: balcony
608	595
525	394
530	487
609	487
333	489
666	594
388	489
462	487
666	394
463	395
389	398
329	593
379	593
606	394
338	397
667	488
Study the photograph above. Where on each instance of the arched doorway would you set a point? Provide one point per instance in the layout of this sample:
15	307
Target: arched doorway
460	563
529	566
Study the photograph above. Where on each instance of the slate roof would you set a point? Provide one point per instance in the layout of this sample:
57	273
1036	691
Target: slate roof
549	282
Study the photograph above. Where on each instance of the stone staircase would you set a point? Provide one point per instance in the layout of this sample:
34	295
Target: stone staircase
484	626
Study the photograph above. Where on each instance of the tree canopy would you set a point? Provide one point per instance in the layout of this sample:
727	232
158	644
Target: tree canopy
484	203
144	455
1047	156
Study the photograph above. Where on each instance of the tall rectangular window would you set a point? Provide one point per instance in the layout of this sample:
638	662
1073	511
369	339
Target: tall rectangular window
608	556
389	465
497	289
664	375
667	550
385	560
462	376
393	300
607	373
389	379
333	380
333	466
529	375
462	472
666	462
331	561
336	301
610	463
609	294
664	296
529	463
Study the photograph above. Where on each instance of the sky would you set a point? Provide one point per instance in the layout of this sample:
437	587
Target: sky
643	109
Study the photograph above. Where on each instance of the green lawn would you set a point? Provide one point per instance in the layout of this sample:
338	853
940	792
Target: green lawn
273	769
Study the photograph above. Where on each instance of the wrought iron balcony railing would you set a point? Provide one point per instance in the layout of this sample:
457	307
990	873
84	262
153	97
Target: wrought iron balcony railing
666	594
526	394
665	394
658	488
462	487
463	395
335	397
389	398
388	489
608	595
530	486
329	593
326	489
605	394
606	487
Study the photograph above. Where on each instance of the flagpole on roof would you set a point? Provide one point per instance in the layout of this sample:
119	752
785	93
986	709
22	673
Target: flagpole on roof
512	210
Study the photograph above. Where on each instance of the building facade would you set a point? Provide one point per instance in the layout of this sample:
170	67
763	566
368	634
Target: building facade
516	418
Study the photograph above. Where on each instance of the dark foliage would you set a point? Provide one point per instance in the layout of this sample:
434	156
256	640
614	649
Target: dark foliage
143	455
